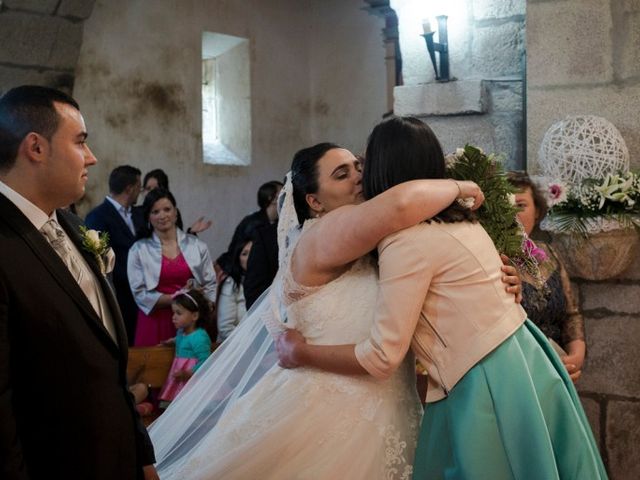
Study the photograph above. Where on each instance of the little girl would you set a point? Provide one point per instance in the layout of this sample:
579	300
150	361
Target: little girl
191	312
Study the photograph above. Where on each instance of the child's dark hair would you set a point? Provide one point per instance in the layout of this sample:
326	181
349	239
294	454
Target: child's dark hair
194	301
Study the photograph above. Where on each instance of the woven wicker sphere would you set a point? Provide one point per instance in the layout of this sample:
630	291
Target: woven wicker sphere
580	147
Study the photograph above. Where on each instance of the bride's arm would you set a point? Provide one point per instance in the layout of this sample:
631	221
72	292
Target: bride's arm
351	231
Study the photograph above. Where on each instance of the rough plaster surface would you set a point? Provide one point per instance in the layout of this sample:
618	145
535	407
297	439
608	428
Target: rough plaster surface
494	9
627	45
13	76
38	40
40	6
611	363
75	8
592	410
572	42
623	441
498	50
451	98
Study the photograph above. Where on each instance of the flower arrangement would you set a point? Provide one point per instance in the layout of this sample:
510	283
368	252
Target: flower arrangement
498	212
594	205
98	243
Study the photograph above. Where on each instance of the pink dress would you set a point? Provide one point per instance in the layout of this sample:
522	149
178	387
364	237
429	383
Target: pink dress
157	326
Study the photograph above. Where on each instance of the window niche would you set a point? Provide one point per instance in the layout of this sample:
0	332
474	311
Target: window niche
226	100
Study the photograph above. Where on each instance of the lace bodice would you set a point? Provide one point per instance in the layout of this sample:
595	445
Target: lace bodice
325	315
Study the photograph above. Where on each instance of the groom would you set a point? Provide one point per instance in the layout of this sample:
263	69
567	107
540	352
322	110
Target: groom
65	410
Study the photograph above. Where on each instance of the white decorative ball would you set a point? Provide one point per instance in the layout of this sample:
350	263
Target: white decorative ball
580	147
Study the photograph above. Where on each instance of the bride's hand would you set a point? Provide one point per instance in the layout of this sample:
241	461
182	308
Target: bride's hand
470	190
287	345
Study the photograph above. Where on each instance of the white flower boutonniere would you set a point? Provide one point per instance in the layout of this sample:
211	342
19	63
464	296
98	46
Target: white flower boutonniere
98	244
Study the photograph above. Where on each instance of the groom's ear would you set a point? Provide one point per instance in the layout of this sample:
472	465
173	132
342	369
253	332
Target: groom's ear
314	204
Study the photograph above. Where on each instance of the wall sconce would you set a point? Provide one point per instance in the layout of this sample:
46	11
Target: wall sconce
442	47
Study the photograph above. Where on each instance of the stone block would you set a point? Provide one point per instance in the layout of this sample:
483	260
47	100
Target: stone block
612	350
619	105
454	132
623	439
40	6
13	77
569	42
490	9
633	272
451	98
504	96
37	40
613	297
75	8
592	410
508	139
627	46
498	50
629	5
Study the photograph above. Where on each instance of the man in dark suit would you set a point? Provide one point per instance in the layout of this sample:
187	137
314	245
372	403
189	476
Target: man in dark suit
262	265
114	216
65	410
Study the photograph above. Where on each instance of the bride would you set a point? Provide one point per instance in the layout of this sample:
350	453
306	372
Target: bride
242	416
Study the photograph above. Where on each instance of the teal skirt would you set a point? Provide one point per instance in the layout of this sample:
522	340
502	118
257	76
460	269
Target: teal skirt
514	415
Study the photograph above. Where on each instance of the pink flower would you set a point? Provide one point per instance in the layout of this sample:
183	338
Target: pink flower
556	193
531	250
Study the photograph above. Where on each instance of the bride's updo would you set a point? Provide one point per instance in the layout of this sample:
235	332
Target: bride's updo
304	176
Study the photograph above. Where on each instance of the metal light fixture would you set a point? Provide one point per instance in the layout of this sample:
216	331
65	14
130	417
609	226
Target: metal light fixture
442	47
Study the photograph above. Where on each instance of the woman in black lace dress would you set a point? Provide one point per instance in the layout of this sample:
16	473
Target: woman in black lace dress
552	308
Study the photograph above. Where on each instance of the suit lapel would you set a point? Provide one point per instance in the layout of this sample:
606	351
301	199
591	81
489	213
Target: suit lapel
51	261
72	228
118	218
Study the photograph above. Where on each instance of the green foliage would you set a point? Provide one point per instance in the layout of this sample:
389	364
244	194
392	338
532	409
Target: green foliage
498	213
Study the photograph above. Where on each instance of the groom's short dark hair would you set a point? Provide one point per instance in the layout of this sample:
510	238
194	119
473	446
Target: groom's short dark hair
26	109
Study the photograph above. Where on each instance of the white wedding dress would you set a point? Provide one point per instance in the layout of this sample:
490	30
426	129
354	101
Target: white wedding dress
309	424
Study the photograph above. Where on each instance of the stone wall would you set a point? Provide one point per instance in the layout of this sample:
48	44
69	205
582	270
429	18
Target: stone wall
41	41
484	104
584	58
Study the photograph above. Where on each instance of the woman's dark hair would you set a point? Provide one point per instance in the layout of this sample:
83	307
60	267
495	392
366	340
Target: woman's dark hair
160	176
304	175
195	301
400	149
152	197
235	270
522	181
267	192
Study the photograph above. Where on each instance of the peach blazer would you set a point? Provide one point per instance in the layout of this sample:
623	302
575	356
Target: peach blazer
440	292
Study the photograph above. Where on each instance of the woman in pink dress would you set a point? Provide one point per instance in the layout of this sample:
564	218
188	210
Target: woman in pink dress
163	261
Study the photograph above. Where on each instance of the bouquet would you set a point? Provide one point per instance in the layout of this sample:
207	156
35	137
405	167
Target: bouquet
498	212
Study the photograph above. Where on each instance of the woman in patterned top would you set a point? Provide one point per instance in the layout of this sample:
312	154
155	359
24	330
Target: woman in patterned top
552	308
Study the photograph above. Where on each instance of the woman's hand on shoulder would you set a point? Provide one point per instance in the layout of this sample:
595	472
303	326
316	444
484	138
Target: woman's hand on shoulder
287	346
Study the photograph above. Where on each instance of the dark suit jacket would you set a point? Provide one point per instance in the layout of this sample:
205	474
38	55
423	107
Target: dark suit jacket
65	410
106	218
262	265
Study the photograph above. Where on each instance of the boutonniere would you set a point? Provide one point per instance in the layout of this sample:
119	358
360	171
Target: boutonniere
97	243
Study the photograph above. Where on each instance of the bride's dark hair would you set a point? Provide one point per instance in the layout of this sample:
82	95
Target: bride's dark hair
304	175
400	149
